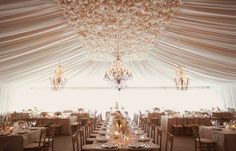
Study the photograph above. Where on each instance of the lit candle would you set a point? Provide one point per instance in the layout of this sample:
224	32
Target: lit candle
116	135
11	129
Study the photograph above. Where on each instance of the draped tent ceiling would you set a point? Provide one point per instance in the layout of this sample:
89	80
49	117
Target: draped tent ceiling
35	37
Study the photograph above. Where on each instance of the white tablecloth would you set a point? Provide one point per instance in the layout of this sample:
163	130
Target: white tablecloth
225	139
16	142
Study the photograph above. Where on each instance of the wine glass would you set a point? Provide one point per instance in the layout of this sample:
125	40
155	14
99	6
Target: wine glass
142	137
34	123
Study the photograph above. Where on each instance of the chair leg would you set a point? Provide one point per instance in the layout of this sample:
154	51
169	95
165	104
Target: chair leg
52	145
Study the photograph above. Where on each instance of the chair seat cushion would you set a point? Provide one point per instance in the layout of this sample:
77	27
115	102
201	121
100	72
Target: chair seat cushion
96	131
205	140
33	145
46	140
178	126
93	135
90	139
188	126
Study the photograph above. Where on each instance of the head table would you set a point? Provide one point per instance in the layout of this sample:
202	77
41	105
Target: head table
107	138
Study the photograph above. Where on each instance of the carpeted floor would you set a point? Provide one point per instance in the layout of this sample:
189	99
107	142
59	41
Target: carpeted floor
181	143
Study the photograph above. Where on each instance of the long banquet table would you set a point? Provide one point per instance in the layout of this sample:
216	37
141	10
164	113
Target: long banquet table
17	141
123	144
225	139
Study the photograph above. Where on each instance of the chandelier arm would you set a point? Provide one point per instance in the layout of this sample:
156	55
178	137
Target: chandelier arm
118	36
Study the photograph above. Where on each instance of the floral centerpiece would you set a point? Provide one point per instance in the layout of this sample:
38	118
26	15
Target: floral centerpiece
21	124
120	123
232	125
58	113
44	114
156	109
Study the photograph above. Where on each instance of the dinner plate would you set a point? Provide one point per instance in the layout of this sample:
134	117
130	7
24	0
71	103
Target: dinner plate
145	139
109	145
102	132
138	145
101	139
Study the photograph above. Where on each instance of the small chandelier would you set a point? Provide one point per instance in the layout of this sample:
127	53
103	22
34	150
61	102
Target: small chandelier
58	80
117	73
181	80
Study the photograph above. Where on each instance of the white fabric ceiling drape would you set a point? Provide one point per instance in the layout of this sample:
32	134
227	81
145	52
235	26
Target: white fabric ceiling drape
35	37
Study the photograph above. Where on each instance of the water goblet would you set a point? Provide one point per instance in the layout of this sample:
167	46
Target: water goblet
34	123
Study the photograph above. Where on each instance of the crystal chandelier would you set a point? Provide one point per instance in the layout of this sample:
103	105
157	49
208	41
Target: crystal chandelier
58	80
117	73
181	80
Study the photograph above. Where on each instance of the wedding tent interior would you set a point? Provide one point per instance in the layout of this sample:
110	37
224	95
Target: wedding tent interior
178	55
36	37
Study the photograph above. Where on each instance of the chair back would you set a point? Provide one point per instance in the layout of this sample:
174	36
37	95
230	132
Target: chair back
196	120
152	132
74	128
159	137
42	137
195	129
82	139
51	132
169	141
75	141
190	121
178	121
185	120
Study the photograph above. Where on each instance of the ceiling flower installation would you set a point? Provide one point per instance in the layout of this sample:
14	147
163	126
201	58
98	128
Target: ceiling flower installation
141	21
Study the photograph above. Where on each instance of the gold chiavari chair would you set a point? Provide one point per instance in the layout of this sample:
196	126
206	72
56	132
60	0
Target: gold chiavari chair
204	144
187	125
38	145
75	141
50	135
178	126
169	142
152	132
159	137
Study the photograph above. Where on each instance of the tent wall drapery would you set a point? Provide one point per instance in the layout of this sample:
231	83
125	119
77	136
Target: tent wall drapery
35	37
101	99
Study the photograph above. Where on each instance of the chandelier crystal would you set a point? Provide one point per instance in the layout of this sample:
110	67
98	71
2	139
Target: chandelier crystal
117	73
58	80
181	80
